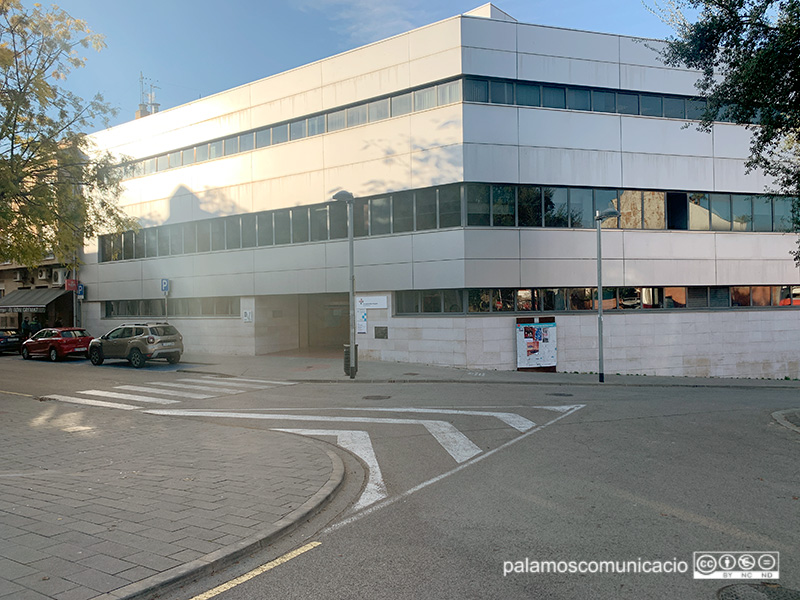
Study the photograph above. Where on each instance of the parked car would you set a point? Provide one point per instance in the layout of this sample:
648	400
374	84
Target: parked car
57	343
10	340
138	343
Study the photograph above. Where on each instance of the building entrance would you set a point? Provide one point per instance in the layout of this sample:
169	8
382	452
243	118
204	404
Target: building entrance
328	320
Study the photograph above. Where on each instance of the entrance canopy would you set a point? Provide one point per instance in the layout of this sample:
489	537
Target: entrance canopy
31	301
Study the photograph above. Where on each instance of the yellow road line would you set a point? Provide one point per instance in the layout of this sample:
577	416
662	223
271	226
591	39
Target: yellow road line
255	572
16	394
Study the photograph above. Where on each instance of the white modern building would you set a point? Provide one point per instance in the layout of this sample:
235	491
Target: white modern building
478	149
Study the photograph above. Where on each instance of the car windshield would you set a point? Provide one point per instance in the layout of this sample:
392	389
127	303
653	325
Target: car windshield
8	332
80	333
162	330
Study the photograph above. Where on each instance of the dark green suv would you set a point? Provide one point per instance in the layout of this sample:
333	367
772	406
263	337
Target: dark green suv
138	343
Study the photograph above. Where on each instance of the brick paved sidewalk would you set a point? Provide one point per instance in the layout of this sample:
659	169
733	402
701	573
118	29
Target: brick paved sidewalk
105	504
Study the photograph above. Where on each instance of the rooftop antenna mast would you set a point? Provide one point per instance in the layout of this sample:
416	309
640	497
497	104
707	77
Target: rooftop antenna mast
147	99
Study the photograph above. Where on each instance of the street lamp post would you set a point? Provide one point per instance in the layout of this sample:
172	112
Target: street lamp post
345	196
601	216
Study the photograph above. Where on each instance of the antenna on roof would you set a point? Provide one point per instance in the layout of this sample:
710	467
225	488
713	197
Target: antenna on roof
147	99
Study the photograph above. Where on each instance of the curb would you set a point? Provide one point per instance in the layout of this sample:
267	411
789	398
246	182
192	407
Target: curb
210	563
780	417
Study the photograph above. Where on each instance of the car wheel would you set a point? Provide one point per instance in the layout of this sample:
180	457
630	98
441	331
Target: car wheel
136	358
25	354
174	359
96	356
53	354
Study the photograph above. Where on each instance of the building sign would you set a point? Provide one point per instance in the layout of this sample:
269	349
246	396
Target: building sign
71	285
536	345
361	320
371	302
81	289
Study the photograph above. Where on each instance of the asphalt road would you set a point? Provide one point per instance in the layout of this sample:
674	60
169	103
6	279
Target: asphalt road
619	473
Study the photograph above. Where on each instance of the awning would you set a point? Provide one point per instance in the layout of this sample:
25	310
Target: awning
35	300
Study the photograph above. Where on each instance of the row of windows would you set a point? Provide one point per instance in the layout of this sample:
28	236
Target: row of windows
473	204
367	112
505	300
175	307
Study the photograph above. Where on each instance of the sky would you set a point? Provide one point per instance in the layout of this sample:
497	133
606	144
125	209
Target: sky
190	49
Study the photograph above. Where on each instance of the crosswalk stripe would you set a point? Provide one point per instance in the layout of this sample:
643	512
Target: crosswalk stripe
258	381
88	402
141	388
514	420
135	398
236	384
201	388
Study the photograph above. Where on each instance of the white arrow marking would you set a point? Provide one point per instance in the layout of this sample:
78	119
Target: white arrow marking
134	397
459	446
202	388
88	402
360	444
141	388
511	419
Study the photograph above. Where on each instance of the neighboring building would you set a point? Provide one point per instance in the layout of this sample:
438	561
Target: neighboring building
478	149
39	292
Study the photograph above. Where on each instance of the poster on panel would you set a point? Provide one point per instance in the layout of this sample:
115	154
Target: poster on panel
536	345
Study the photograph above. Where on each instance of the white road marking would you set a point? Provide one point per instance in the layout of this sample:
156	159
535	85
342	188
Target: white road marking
514	420
141	388
202	388
88	402
561	409
360	444
459	446
135	398
233	384
255	380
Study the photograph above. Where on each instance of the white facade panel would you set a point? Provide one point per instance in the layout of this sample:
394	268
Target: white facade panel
557	69
730	175
489	124
648	135
641	51
551	41
482	273
434	67
438	245
491	163
553	128
731	141
570	167
433	39
437	274
660	171
485	33
494	63
653	79
558	272
492	243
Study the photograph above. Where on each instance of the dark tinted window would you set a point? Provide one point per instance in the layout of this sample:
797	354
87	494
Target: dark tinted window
162	330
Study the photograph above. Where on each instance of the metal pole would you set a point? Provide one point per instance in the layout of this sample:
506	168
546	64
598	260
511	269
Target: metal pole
350	211
599	299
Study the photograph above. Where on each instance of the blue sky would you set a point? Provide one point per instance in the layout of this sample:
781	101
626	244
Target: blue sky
194	48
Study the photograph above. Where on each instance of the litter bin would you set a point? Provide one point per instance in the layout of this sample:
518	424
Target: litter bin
347	361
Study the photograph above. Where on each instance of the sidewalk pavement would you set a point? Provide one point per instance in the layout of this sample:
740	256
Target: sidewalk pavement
105	504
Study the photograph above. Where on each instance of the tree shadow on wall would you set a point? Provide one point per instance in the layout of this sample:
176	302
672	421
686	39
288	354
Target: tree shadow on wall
185	205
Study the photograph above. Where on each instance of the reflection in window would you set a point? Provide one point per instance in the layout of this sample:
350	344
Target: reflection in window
477	204
403	212
627	104
501	92
760	295
503	300
604	199
677	210
674	297
316	125
674	108
580	299
263	137
528	300
380	215
581	208
719	297
740	296
265	229
782	215
215	149
449	92
697	297
630	298
742	209
426	209
554	97
453	301
609	298
231	145
579	99
379	110
503	206
361	217
529	202
556	207
604	101
650	105
630	203
424	99
297	129
233	232
479	300
280	134
431	301
319	223
217	234
357	115
699	212
528	95
652	298
401	105
695	109
407	302
654	210
720	212
249	238
204	236
337	218
450	206
283	226
553	299
476	90
762	213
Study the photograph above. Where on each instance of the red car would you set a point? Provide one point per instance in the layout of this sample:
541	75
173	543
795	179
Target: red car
57	343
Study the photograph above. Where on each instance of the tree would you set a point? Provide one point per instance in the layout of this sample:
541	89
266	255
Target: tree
56	190
748	53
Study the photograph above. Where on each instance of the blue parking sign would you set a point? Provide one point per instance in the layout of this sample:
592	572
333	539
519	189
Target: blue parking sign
81	291
165	286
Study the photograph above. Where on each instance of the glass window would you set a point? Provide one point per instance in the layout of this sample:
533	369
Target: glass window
501	92
476	90
204	236
581	208
479	300
407	302
448	92
163	241
139	245
720	212
337	218
453	301
319	223
280	134
630	203
650	105
450	206
627	104
652	298
380	216
699	212
297	129
695	109
477	204
674	108
431	301
361	217
553	299
674	297
190	238
401	105
654	210
697	297
127	245
300	224
265	229
149	166
609	298
283	226
187	156
578	99
217	234
263	137
426	209
402	212
504	206
788	295
425	98
740	296
604	199
231	145
246	142
174	160
316	125
175	239
356	115
581	299
503	300
249	237
528	95
527	300
719	297
762	213
630	298
379	110
554	97
760	295
162	162
556	211
604	101
677	210
151	236
337	120
742	207
233	232
215	149
782	214
529	202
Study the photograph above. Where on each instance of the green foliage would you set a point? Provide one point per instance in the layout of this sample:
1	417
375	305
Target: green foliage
56	190
748	52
